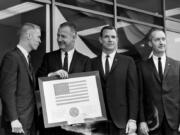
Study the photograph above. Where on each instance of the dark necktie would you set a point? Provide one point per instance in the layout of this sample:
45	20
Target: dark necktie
30	66
160	68
107	65
65	67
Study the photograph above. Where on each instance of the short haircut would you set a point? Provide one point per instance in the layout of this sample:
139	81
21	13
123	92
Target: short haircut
153	30
71	25
109	27
26	27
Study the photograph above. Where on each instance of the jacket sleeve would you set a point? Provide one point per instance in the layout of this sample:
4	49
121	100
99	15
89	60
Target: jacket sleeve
8	87
43	69
132	87
141	105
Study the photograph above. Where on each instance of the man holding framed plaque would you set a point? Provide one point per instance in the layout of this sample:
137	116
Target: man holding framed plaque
62	62
120	87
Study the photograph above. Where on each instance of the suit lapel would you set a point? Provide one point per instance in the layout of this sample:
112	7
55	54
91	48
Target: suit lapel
167	67
23	59
100	66
152	65
115	63
58	59
73	62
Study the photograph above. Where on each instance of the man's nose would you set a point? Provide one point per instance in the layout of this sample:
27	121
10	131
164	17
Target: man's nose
59	38
110	39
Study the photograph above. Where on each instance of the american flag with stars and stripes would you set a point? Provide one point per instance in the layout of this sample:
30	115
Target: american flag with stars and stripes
71	92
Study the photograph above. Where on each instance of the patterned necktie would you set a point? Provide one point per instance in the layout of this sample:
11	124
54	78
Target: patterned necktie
65	67
160	68
107	65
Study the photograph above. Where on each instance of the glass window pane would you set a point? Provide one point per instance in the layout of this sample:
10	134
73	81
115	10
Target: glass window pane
172	8
139	16
173	25
133	40
172	4
154	6
89	4
9	3
173	45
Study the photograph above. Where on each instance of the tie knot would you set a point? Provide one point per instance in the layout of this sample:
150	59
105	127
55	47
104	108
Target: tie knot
66	53
107	56
159	58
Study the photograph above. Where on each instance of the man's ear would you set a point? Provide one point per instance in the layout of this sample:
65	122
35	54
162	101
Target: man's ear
74	36
28	34
149	43
100	40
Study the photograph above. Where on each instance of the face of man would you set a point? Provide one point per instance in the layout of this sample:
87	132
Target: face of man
158	42
66	38
109	40
35	38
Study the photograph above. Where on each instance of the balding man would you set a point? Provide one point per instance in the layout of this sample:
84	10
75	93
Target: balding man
62	62
17	83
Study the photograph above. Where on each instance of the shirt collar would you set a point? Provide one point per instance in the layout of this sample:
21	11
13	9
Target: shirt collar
70	53
163	57
111	55
25	53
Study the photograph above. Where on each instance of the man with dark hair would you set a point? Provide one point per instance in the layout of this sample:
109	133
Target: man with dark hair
62	62
119	84
18	84
159	89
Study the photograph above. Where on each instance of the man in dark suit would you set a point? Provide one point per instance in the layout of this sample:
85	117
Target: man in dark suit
119	84
54	62
62	62
17	84
159	90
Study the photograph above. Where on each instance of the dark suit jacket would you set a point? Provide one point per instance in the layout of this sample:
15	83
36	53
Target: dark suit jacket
160	99
17	89
120	89
52	62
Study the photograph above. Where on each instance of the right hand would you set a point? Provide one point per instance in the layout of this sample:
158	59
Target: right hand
16	126
61	73
144	128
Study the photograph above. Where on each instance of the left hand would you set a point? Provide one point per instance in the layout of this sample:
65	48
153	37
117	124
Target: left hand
131	127
179	128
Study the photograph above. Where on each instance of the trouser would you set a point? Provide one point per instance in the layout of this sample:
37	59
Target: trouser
31	131
164	129
106	128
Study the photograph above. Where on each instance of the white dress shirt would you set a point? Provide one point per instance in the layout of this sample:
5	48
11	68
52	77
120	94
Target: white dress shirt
110	58
70	56
163	61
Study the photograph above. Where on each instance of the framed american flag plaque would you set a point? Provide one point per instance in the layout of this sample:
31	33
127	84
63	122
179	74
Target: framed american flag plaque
78	99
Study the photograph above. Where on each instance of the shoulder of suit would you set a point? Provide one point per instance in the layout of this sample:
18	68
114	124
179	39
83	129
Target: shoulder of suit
11	56
81	55
124	57
171	60
52	53
96	58
12	53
